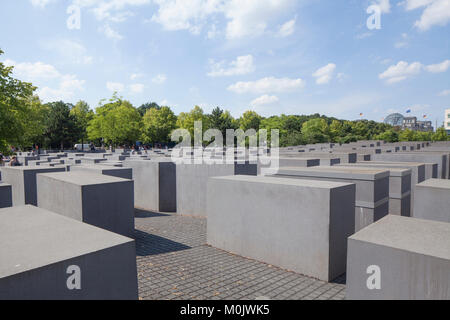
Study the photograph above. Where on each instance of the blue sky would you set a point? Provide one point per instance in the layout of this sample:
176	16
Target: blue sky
271	56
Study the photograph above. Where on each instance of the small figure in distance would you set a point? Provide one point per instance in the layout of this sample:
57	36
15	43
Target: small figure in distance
14	162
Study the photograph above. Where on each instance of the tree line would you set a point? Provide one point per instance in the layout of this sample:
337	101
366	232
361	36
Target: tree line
25	121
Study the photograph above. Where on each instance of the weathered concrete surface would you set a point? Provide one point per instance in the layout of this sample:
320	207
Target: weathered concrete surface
432	200
5	195
23	182
125	173
425	157
38	246
399	188
294	224
191	180
103	201
413	257
154	184
372	188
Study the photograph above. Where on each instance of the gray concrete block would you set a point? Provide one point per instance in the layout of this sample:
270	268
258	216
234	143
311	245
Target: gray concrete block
191	182
372	188
5	195
293	224
432	200
125	173
103	201
38	246
154	184
413	257
23	182
425	157
399	187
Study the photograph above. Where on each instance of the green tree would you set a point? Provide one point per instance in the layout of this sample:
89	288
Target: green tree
82	115
250	120
115	122
61	129
440	135
407	135
158	124
147	106
186	120
15	97
388	136
315	130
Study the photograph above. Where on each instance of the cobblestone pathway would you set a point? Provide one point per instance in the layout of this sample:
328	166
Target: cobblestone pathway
174	262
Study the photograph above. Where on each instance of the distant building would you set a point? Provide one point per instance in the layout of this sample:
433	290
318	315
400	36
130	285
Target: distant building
447	121
411	123
394	119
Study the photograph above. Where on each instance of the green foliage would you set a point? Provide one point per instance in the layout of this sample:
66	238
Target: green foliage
16	104
147	106
440	135
388	136
316	130
158	124
82	115
61	129
250	120
186	121
116	122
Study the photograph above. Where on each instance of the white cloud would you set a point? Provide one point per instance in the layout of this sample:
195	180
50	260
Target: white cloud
436	12
403	70
384	5
41	74
136	88
414	4
110	33
40	3
400	71
444	93
135	76
33	72
186	14
264	100
111	10
251	17
73	51
115	86
287	28
439	67
68	86
242	65
269	84
159	79
243	17
324	74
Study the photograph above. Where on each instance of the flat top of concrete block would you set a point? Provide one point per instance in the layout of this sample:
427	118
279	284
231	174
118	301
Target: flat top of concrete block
395	172
336	172
99	167
2	184
395	163
299	158
28	168
425	237
285	181
83	178
32	237
435	183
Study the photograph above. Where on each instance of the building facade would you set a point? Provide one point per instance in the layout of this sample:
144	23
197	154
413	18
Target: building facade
447	121
412	124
